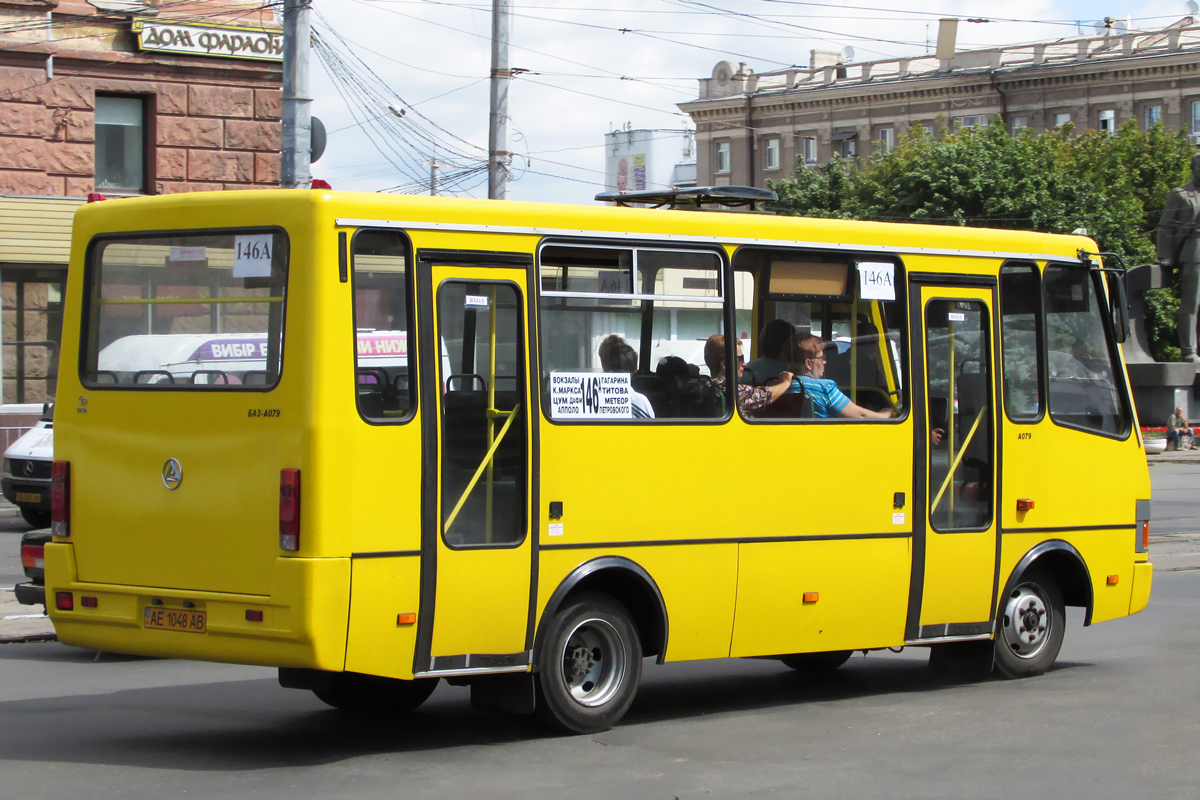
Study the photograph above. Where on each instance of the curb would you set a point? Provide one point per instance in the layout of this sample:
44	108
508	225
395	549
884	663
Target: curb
29	638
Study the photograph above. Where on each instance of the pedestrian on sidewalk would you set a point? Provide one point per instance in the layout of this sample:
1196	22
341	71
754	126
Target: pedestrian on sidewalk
1177	426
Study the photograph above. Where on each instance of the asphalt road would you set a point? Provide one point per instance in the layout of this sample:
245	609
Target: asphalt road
1118	717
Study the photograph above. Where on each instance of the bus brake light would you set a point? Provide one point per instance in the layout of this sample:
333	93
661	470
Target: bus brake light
60	498
289	509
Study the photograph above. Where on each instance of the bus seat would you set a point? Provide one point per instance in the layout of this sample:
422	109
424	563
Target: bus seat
151	376
210	377
658	391
376	376
460	376
793	405
256	377
697	397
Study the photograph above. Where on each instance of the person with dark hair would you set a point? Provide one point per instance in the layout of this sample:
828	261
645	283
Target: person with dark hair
749	398
827	399
617	356
775	352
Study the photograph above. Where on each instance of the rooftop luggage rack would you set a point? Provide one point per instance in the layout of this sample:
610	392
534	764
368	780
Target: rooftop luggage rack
730	196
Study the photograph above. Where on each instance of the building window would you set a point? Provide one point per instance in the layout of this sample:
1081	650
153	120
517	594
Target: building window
929	129
722	157
1153	116
972	121
772	153
845	144
887	139
809	148
1061	119
120	134
1019	124
1195	117
1107	122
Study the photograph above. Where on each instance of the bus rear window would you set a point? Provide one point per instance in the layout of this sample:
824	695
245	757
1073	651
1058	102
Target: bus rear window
200	311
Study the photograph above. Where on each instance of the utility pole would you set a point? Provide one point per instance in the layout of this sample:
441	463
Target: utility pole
499	157
433	177
295	169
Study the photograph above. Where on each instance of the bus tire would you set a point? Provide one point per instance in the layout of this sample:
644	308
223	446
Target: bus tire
817	663
589	666
1031	626
350	691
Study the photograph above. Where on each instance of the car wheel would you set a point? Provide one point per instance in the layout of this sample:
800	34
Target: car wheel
1032	625
589	666
817	663
36	517
351	691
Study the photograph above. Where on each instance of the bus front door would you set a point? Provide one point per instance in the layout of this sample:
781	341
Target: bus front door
476	547
955	534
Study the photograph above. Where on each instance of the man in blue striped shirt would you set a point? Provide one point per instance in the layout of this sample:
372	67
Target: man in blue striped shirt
827	400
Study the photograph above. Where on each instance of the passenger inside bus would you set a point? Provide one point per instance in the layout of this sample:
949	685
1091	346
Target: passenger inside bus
749	398
827	399
617	356
775	347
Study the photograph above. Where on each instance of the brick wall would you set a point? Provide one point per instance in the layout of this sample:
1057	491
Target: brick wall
213	123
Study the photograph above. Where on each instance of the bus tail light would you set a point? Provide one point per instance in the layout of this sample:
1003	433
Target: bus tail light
64	601
60	498
289	509
1146	534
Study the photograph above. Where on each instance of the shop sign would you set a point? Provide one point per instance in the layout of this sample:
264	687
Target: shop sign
209	40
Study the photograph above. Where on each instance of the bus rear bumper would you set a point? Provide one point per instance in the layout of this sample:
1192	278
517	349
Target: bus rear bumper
302	623
1143	577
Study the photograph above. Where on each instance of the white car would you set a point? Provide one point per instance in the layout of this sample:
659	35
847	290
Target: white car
26	480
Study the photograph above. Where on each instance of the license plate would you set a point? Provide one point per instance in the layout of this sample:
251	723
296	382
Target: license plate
28	497
175	619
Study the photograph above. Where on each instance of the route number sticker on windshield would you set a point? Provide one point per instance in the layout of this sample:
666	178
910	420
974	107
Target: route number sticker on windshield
252	255
877	280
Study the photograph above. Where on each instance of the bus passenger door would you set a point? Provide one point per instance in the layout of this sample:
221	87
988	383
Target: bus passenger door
955	534
476	548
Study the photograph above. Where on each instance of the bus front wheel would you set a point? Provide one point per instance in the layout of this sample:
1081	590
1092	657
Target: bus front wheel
589	666
351	691
1032	625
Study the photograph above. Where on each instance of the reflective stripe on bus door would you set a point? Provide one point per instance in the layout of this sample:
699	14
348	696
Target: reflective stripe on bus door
477	551
955	536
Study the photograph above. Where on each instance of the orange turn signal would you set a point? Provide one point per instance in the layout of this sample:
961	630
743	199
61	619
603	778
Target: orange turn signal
1113	580
1024	504
812	597
1146	534
406	619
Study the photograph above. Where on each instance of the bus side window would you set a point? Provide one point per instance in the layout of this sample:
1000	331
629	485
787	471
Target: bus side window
383	391
1020	327
662	304
820	294
1081	357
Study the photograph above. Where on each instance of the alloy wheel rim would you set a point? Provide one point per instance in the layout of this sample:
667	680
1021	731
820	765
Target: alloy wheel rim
593	662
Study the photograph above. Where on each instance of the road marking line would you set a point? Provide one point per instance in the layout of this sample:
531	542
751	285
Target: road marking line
25	616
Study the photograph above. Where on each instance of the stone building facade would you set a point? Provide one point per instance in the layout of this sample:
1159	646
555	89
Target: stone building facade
751	128
119	97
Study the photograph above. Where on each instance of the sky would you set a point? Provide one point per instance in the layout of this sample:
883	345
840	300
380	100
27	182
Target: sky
398	83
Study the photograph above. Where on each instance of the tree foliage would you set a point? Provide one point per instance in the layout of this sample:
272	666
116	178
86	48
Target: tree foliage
1055	182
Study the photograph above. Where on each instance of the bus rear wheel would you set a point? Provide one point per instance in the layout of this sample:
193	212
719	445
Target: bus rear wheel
817	663
350	691
1032	626
589	666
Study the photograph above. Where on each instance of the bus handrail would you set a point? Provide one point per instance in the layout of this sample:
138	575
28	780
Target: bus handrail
954	465
487	459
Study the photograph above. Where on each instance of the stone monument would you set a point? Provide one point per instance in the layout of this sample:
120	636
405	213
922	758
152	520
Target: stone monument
1179	248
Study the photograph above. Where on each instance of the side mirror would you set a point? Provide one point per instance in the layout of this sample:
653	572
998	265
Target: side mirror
1118	306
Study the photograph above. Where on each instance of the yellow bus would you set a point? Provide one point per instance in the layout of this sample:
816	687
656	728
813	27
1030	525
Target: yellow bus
401	439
